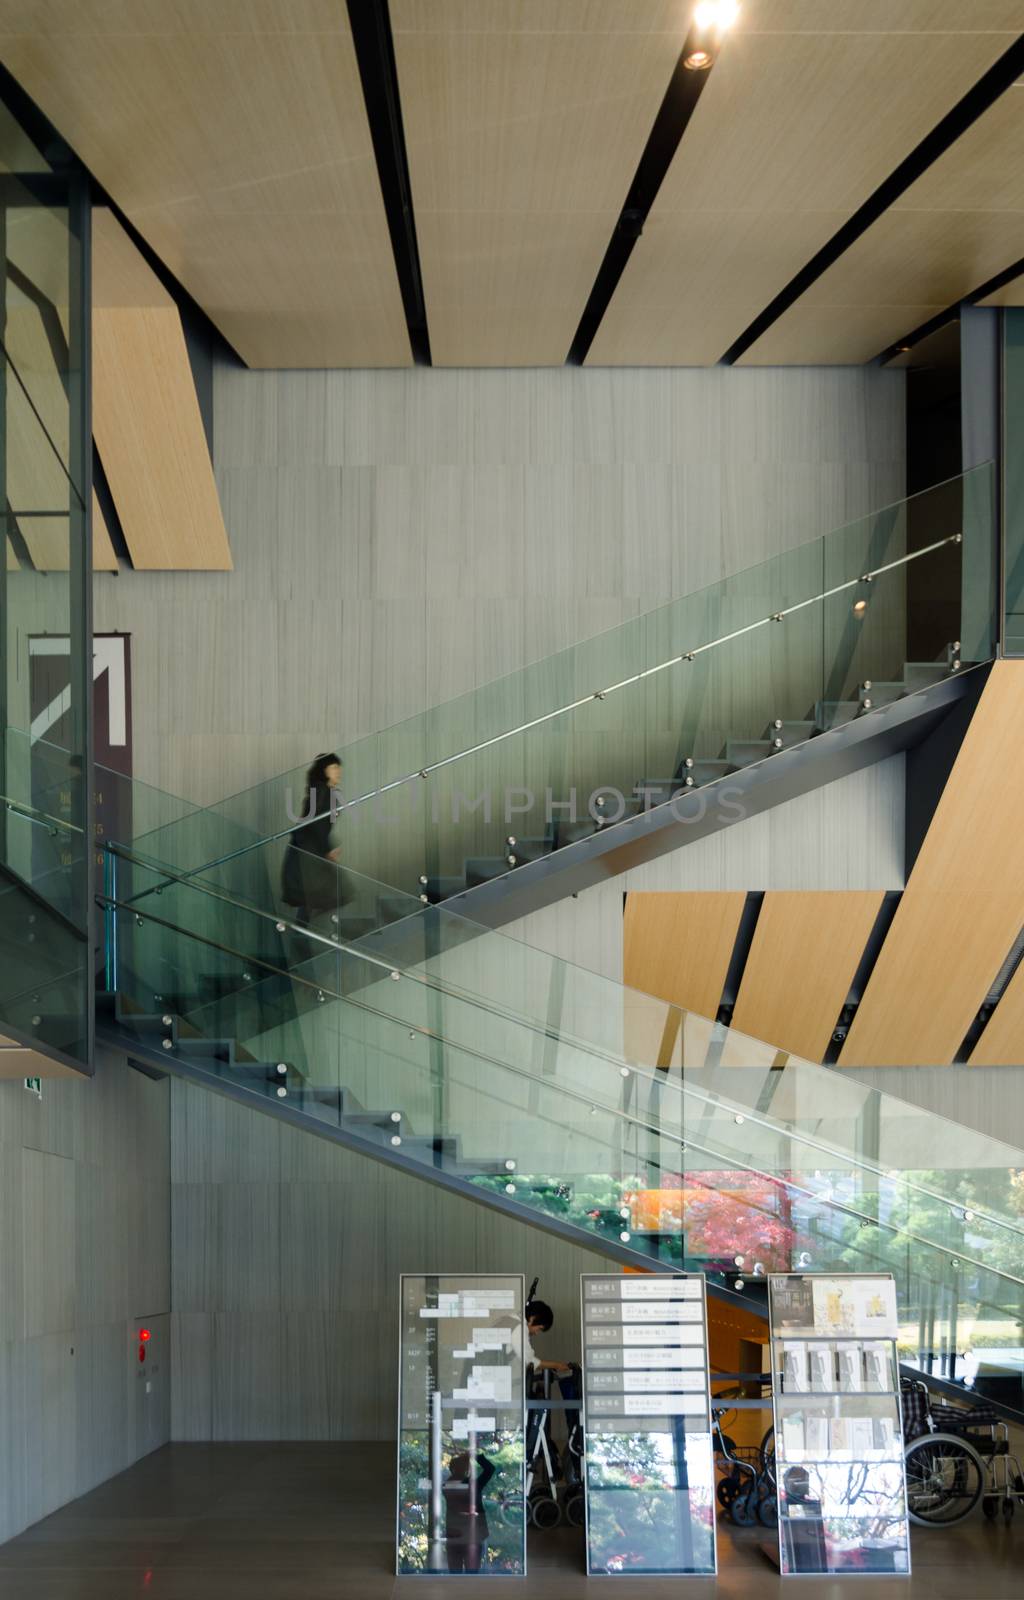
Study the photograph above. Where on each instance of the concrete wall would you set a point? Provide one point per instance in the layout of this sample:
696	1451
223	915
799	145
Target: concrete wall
402	537
287	1253
84	1255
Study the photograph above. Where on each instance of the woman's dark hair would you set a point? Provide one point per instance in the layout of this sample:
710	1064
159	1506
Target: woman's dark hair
316	777
539	1311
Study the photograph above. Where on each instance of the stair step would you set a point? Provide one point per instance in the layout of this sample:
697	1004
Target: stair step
709	771
566	832
836	713
874	695
747	752
658	791
353	928
392	908
922	674
482	869
442	888
467	1168
791	733
261	1072
531	849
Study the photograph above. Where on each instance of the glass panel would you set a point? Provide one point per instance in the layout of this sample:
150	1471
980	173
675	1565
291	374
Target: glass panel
45	682
838	1426
673	700
461	1445
650	1474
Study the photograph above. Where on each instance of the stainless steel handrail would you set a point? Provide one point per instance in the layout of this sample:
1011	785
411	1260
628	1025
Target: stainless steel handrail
38	819
576	705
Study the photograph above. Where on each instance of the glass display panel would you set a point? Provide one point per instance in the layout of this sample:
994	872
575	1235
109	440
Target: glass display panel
461	1501
838	1427
649	1463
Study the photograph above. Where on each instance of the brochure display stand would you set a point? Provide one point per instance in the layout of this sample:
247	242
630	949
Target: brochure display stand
650	1480
461	1442
838	1428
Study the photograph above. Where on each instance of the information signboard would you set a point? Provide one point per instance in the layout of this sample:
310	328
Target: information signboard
461	1504
838	1426
649	1461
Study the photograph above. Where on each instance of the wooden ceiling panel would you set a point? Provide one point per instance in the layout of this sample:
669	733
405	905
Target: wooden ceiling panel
960	224
512	285
807	109
806	949
677	947
524	123
963	906
1011	294
46	540
146	419
234	135
710	252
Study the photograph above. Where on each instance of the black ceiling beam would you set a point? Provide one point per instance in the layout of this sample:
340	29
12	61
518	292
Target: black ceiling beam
951	313
675	111
975	102
375	54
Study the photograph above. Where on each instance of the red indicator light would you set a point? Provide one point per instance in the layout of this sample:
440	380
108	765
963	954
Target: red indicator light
144	1334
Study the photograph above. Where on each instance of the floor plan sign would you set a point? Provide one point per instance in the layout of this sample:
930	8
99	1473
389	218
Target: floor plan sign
649	1463
461	1506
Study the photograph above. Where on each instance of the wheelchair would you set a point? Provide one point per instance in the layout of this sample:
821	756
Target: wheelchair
554	1478
956	1456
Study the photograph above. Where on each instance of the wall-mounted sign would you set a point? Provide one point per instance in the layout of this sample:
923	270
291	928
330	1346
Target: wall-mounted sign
461	1441
650	1482
838	1425
53	777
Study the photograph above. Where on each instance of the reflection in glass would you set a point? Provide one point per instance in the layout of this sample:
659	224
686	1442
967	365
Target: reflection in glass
651	1501
461	1506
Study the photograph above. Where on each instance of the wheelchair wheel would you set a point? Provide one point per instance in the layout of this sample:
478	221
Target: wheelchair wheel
767	1453
945	1479
768	1511
990	1507
545	1513
743	1510
575	1510
727	1491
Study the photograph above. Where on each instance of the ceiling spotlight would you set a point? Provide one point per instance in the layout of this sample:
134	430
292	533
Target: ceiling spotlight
903	349
698	61
859	607
720	14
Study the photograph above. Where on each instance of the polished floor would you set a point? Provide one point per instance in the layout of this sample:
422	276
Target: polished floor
316	1522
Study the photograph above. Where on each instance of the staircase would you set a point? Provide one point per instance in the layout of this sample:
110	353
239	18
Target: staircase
711	709
734	1165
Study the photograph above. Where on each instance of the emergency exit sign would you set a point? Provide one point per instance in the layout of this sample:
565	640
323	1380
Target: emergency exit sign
35	1086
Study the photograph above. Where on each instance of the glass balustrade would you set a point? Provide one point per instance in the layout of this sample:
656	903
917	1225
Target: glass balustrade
734	1159
470	985
676	700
